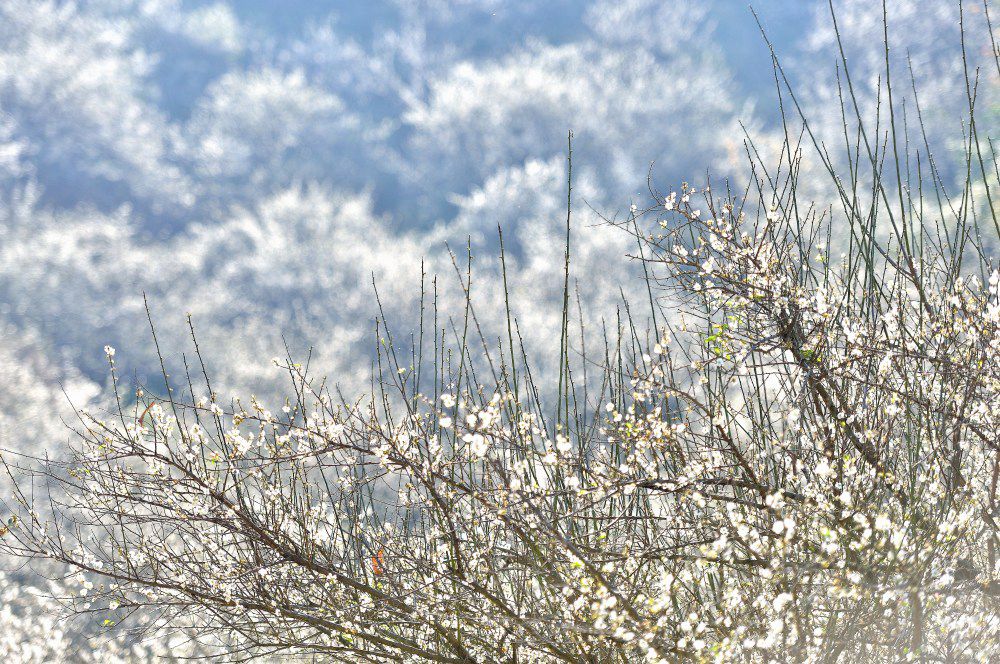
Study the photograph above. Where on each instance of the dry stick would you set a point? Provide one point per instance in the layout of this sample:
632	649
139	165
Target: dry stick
564	329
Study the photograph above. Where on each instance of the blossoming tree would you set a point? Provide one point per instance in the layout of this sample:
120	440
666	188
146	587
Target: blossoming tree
800	463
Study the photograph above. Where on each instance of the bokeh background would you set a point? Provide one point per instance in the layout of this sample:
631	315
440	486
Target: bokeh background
260	164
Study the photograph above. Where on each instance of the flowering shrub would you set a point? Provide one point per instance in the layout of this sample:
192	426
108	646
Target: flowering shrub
799	463
33	630
804	467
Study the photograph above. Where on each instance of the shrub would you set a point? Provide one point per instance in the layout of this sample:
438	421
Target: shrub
801	464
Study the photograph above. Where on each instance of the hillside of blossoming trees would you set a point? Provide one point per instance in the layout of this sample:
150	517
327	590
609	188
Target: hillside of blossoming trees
499	331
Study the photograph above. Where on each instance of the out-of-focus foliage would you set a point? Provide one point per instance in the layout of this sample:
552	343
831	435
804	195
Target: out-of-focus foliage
34	630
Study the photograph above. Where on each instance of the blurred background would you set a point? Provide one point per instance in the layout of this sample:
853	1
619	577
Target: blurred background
260	165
